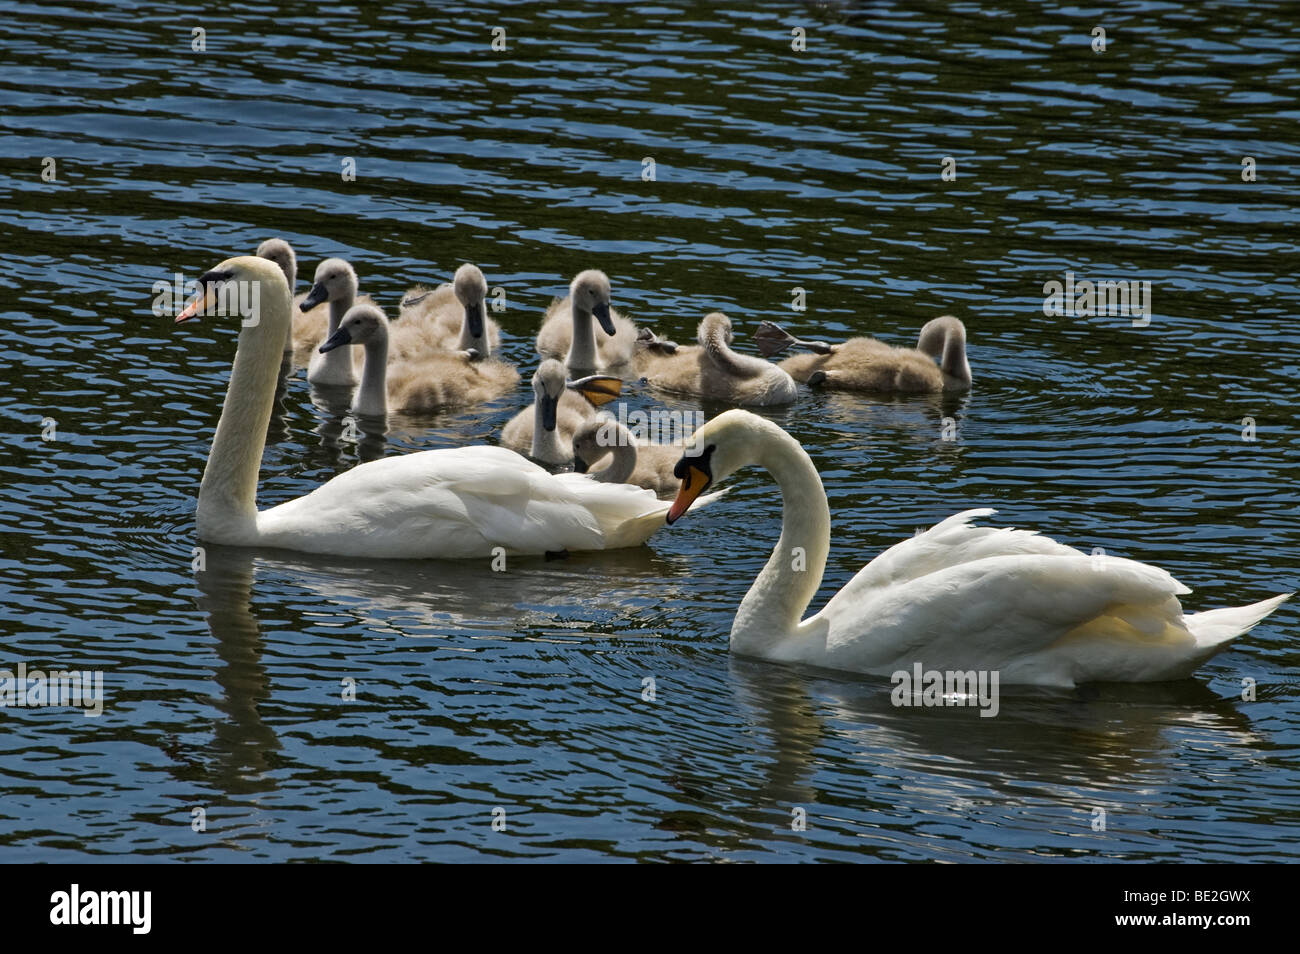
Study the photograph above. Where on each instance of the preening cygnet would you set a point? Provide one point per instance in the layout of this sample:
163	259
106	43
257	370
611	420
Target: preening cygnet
433	381
568	330
865	364
629	461
544	430
315	321
451	317
712	370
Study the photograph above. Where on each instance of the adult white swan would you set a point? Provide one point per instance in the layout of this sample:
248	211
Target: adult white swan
957	597
451	504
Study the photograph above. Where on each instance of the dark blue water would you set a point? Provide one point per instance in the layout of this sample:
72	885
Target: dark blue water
774	169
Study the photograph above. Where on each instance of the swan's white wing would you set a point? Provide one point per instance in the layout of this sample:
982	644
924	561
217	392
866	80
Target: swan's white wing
628	515
452	503
965	597
461	503
1047	619
951	542
623	511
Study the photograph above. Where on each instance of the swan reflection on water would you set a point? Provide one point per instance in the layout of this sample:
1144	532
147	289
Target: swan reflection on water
727	752
765	740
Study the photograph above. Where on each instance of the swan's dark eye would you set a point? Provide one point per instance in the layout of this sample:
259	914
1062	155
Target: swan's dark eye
213	277
702	461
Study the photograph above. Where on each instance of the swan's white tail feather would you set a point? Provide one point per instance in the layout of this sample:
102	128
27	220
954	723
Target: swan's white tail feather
1218	627
628	532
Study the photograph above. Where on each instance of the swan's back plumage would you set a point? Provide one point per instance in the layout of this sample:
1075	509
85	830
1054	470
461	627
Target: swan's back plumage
460	503
965	597
608	505
951	542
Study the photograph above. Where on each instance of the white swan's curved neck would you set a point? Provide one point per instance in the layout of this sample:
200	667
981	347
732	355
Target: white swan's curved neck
227	509
371	398
582	347
770	612
292	277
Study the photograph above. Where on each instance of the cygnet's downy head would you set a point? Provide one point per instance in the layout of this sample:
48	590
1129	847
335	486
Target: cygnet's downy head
471	290
944	339
361	325
335	279
548	385
550	381
589	292
281	252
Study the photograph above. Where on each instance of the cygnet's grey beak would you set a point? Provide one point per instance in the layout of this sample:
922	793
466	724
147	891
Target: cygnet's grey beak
475	319
340	337
548	406
314	297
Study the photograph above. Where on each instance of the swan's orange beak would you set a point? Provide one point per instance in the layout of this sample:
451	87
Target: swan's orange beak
202	301
693	483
